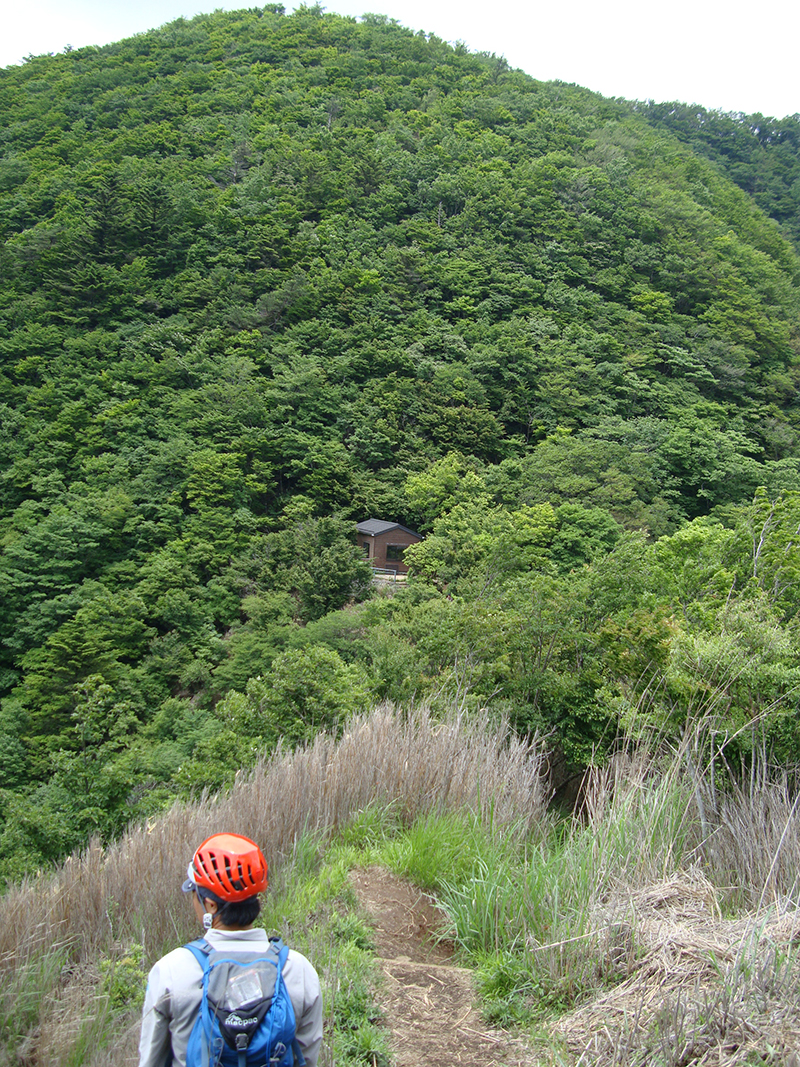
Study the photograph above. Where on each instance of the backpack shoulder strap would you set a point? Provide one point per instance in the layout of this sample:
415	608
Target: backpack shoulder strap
201	950
282	950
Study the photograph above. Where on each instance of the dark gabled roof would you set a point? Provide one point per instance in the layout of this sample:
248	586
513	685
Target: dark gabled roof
373	527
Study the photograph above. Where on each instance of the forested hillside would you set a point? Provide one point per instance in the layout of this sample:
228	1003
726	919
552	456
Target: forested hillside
760	154
266	275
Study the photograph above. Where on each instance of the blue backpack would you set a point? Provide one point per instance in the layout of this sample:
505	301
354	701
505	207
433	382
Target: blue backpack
246	1018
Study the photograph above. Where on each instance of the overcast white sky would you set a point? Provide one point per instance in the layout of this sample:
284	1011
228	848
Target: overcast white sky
717	53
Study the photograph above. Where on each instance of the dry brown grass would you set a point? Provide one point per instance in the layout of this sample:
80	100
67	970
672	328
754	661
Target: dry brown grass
700	989
697	988
102	899
756	844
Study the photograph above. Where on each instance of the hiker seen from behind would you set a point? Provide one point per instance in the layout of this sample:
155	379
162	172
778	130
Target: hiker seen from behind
234	997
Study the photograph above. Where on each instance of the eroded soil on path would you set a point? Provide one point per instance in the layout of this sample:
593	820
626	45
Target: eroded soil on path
427	1001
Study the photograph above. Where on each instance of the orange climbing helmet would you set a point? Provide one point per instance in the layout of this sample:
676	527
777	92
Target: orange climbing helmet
229	866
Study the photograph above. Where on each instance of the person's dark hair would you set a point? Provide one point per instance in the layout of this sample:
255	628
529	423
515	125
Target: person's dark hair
233	912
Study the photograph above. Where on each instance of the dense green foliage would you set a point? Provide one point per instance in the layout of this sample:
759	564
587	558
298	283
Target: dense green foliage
264	275
760	154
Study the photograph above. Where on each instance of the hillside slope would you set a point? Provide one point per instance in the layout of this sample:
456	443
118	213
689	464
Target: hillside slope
760	154
260	269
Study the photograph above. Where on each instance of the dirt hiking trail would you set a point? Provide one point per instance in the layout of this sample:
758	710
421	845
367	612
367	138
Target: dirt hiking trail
428	1002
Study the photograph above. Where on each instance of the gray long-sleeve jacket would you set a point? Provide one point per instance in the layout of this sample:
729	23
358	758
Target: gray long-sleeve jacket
174	992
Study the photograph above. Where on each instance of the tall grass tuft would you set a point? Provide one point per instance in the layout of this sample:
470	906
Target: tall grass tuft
546	919
756	838
614	921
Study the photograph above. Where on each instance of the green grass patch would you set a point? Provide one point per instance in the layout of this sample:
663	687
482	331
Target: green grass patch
439	849
371	827
24	991
514	994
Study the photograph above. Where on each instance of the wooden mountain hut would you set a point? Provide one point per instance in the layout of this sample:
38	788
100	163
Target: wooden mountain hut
385	542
